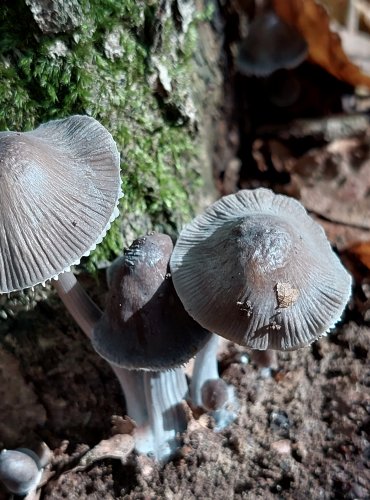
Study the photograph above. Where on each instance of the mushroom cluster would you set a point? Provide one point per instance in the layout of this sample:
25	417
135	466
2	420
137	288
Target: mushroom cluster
50	219
256	269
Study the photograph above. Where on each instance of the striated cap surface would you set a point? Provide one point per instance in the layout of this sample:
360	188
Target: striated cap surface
271	44
59	190
145	326
256	269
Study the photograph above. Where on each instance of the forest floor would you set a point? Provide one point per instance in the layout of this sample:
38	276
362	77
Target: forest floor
302	432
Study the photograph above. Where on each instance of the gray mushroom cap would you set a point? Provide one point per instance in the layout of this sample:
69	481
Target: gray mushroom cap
256	269
145	326
20	470
59	190
270	44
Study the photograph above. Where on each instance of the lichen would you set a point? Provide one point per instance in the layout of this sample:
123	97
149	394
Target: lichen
105	64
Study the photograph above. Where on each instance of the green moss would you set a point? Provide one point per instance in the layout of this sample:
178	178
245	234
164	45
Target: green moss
47	76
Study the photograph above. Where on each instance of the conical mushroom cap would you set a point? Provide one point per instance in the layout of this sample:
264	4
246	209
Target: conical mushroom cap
271	44
256	269
59	190
145	326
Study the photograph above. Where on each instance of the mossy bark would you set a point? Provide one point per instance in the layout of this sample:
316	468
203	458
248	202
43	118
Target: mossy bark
145	70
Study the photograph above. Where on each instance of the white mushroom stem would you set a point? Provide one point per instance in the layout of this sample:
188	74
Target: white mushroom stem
83	310
206	370
154	400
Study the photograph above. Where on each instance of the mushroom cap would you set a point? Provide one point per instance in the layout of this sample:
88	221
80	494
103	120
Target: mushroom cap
256	269
59	190
145	326
271	44
19	470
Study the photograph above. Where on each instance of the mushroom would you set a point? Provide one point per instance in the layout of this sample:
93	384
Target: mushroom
146	335
209	391
59	191
256	269
20	470
266	362
271	44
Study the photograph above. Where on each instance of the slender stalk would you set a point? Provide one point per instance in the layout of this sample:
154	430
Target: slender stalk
83	310
205	368
154	401
352	17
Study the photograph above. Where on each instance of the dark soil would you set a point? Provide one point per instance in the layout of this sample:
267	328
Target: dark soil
303	432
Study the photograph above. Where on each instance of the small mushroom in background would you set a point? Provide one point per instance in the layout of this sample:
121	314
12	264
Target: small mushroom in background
209	391
20	470
257	270
266	362
59	191
270	45
146	335
270	51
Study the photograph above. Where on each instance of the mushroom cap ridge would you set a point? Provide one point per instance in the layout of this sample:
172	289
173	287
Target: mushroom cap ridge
144	325
256	269
59	191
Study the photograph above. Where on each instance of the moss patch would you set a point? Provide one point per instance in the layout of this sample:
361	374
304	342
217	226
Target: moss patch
108	60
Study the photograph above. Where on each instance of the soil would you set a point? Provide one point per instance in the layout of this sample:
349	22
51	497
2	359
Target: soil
303	430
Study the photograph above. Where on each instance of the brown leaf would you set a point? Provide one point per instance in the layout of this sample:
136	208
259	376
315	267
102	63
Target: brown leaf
324	46
362	252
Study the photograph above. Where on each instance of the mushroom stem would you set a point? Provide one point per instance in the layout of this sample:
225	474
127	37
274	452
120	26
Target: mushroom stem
132	384
83	310
205	368
154	400
208	390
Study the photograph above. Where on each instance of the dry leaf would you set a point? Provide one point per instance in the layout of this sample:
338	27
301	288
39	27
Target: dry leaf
362	252
122	425
324	46
334	182
118	446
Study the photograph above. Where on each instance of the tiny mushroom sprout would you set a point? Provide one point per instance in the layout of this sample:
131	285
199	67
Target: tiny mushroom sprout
209	391
271	44
59	191
256	269
20	470
146	334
